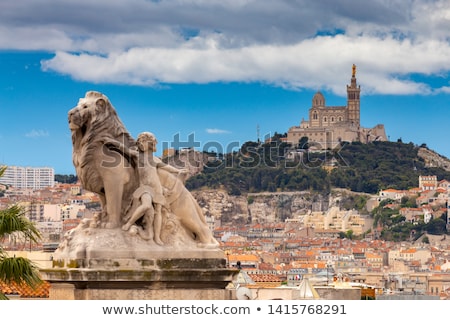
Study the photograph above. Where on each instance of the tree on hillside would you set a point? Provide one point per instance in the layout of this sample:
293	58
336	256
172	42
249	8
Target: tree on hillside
436	226
303	143
64	178
17	270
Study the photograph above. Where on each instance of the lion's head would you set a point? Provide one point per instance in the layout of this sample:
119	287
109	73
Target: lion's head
93	122
82	113
95	114
94	107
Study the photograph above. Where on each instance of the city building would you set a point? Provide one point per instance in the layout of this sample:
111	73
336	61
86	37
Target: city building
328	126
428	183
34	178
335	220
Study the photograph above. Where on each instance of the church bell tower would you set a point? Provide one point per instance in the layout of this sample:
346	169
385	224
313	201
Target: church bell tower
353	100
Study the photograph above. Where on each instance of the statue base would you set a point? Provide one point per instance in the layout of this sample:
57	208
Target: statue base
171	283
110	264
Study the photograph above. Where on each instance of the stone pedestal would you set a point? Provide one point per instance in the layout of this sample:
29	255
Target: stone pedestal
115	265
172	282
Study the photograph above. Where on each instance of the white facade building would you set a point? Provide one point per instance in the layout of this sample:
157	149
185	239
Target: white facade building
34	178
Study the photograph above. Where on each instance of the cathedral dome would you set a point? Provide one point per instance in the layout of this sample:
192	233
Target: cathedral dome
318	100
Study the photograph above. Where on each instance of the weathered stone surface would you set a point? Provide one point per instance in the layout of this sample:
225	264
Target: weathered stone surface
91	247
171	282
69	291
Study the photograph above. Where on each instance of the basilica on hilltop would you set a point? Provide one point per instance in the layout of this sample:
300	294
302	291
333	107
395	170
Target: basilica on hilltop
328	126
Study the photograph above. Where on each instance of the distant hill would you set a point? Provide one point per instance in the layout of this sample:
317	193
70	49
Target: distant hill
358	167
66	178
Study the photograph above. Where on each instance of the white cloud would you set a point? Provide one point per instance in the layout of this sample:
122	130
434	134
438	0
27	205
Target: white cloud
301	44
37	133
443	90
311	63
217	131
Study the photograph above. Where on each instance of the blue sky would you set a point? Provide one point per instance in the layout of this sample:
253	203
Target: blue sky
218	69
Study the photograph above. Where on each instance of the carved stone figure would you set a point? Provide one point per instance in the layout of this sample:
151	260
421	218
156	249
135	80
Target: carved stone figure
108	162
100	169
149	195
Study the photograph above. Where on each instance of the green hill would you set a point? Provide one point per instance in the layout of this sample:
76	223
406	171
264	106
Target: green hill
275	166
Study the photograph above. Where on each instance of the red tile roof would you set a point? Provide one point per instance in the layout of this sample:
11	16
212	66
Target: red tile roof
25	291
265	278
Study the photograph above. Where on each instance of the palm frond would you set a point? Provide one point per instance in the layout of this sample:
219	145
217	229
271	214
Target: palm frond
19	270
13	220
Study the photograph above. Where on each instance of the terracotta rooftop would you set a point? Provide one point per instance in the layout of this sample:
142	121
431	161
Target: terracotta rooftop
410	250
243	257
24	291
392	190
265	278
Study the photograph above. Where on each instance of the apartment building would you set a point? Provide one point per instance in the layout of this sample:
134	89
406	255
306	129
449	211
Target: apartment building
34	178
409	254
428	183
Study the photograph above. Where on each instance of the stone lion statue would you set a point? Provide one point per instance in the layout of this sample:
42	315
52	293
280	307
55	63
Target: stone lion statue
100	169
111	172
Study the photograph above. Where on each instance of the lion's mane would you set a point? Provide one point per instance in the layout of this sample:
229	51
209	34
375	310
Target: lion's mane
93	123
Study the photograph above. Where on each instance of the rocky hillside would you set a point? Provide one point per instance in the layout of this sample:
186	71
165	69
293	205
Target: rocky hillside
433	159
265	207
